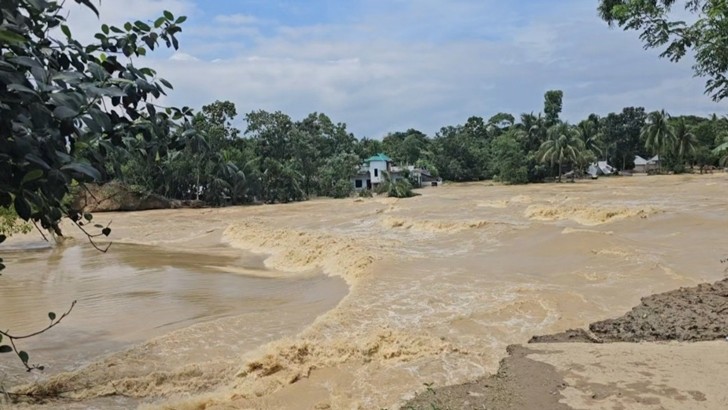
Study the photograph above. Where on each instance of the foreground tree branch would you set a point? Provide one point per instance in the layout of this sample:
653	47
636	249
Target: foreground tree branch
22	355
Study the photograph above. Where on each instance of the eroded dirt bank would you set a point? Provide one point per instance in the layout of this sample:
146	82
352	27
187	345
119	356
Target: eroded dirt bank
547	374
440	285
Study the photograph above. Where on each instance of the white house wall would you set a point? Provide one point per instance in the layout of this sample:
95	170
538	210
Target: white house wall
375	171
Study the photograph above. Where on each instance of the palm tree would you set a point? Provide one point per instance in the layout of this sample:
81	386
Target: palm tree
685	141
657	133
591	136
532	129
563	145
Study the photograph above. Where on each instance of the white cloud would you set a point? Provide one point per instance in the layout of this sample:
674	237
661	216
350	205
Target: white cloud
237	19
422	64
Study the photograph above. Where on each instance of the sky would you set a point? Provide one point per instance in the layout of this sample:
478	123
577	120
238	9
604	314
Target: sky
382	66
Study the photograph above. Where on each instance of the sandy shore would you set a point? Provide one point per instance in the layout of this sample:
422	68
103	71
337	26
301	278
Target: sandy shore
599	369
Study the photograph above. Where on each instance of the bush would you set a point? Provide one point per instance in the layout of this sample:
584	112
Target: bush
10	224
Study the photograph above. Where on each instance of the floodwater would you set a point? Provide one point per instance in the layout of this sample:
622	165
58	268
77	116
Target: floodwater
439	285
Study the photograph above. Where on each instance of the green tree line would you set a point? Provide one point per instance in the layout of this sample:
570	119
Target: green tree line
278	159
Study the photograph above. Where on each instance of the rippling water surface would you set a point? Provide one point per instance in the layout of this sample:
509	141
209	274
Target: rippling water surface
229	307
134	293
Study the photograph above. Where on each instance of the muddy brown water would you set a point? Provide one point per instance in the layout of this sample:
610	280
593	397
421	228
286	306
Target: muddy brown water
438	286
135	293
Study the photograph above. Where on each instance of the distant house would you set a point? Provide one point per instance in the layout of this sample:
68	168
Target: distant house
600	168
371	173
640	164
653	163
646	165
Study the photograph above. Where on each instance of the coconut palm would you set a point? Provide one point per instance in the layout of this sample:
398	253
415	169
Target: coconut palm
657	133
684	140
590	135
532	131
400	188
563	145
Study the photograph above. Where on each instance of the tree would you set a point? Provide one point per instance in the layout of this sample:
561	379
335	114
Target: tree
508	161
552	106
657	133
684	140
704	37
400	188
563	145
64	106
590	135
621	135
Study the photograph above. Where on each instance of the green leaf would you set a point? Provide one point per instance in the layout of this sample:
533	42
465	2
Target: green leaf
23	356
22	208
142	25
51	316
98	72
87	216
31	176
9	37
5	349
106	231
90	5
105	29
166	83
127	26
84	169
168	15
64	112
158	22
181	20
21	88
66	30
37	161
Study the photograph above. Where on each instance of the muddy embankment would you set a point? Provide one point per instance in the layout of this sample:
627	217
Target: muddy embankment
685	315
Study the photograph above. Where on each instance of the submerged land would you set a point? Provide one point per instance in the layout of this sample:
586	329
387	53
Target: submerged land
439	287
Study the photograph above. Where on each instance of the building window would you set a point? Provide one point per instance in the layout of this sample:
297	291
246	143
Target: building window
376	172
358	183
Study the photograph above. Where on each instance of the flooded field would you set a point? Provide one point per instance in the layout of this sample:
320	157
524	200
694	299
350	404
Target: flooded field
227	307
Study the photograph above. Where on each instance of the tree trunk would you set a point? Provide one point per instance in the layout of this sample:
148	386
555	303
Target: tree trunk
559	171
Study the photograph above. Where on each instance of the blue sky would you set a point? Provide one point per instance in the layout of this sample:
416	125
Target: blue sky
383	66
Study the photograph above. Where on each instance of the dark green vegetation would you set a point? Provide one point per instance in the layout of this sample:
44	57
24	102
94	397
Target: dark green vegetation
278	159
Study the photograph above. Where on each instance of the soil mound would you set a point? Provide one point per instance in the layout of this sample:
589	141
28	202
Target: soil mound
521	383
115	196
687	314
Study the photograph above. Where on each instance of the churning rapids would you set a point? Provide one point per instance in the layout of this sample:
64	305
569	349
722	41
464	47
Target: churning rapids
350	303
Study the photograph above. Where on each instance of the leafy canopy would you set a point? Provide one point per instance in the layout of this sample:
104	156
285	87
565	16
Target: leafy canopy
64	105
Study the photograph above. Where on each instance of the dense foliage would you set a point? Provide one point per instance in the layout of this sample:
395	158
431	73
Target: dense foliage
65	106
278	159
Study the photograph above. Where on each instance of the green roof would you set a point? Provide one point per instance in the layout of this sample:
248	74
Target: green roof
379	157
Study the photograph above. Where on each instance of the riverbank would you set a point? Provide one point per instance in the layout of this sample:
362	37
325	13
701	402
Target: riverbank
576	369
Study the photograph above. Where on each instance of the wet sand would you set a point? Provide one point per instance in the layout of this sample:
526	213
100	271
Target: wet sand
440	285
561	371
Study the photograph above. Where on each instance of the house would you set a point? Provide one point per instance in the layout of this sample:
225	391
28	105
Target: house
640	164
370	173
600	168
653	164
